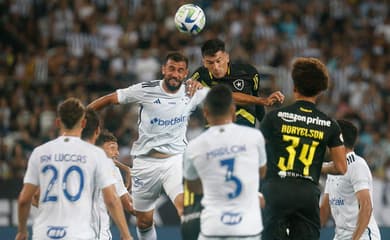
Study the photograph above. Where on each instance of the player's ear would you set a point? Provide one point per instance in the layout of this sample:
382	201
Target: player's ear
227	57
83	122
58	122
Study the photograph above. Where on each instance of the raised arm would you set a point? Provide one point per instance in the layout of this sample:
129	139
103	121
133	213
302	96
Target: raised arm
338	166
104	101
245	99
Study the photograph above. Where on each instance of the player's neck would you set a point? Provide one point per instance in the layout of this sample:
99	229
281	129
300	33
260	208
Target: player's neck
71	132
219	121
299	97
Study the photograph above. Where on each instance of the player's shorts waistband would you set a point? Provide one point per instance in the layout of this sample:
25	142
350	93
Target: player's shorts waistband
286	174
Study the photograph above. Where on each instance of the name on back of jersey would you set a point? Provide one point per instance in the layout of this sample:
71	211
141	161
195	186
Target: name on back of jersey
222	151
63	157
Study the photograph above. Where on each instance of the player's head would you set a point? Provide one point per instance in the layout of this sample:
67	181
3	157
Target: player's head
310	76
219	107
71	114
350	133
92	127
109	143
215	58
175	70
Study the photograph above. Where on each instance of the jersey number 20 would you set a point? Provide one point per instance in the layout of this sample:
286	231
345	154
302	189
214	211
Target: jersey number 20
230	177
53	198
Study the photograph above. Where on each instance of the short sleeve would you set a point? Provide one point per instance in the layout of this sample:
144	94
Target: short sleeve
104	178
335	138
189	172
261	150
199	96
360	176
119	185
131	94
32	172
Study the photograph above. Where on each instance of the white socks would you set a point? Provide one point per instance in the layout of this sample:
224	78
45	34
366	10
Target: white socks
147	234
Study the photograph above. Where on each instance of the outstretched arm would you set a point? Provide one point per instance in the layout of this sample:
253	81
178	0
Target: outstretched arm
245	99
127	172
104	101
338	166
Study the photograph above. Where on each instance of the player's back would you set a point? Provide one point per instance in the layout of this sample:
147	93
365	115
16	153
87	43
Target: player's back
68	172
227	159
298	136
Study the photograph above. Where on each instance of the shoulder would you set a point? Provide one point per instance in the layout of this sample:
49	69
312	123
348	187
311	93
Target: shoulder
149	84
243	68
200	74
355	161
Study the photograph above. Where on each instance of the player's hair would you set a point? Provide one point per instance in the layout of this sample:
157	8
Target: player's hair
218	100
349	132
310	76
212	46
93	122
70	112
177	57
105	136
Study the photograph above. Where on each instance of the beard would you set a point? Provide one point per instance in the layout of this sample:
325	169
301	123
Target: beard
173	87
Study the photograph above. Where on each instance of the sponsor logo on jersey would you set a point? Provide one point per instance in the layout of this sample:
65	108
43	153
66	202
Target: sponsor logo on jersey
293	117
239	84
230	218
336	201
137	182
168	122
56	232
157	101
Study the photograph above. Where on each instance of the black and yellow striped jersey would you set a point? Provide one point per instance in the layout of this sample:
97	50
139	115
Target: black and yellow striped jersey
242	78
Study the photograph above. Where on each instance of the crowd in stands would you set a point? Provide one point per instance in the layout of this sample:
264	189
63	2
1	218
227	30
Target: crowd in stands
51	50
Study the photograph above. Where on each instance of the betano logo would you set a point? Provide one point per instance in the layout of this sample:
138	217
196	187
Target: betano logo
168	122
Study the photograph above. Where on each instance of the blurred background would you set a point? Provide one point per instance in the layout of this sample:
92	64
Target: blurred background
52	50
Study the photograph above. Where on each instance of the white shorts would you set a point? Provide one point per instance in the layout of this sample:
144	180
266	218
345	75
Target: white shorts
150	175
368	234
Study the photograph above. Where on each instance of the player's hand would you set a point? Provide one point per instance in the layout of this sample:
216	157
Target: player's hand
21	236
131	209
192	86
274	98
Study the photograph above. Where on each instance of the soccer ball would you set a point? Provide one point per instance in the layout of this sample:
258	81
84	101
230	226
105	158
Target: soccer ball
190	18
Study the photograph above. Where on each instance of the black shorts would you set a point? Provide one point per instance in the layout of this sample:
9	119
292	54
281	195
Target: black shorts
292	209
190	225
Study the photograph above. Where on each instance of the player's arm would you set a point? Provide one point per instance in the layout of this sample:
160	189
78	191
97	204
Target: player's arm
115	209
324	210
365	211
195	186
24	205
127	203
104	101
338	166
127	171
246	99
35	199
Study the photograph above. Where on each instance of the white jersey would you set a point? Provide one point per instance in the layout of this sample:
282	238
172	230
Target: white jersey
163	116
101	217
227	159
67	171
342	199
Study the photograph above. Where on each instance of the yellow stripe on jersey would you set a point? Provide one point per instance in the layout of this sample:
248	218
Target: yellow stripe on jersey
195	76
246	115
189	197
256	82
305	110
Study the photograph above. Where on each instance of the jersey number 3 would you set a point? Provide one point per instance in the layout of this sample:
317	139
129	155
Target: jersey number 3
306	155
71	197
229	163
